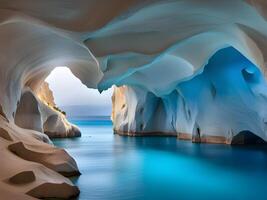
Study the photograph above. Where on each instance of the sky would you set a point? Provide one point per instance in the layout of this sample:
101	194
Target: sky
70	94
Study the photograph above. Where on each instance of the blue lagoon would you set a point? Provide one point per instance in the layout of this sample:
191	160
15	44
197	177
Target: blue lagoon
136	168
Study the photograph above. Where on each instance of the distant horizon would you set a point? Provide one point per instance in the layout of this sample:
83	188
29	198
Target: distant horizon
86	110
90	116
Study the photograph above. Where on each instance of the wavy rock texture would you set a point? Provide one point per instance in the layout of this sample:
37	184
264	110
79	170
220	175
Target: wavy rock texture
192	68
226	99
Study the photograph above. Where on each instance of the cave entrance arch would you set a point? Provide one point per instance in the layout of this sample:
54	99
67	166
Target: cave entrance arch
74	98
247	137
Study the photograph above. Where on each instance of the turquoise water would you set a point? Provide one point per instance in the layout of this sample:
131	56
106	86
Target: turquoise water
163	168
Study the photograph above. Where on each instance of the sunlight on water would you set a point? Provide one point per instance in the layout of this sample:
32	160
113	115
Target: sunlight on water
156	168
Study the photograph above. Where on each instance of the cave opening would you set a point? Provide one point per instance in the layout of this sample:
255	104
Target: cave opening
75	99
247	137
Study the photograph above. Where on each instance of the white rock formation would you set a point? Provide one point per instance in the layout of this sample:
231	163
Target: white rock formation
226	99
195	68
137	112
39	115
54	121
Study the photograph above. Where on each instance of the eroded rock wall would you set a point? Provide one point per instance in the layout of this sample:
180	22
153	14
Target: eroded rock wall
45	94
139	112
55	123
227	98
39	115
28	113
38	166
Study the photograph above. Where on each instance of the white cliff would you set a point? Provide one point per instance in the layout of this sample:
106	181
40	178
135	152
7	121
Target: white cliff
45	94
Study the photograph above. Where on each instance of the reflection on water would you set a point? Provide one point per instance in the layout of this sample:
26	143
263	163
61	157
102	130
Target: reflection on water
163	168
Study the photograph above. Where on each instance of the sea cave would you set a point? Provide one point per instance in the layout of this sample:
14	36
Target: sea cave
183	82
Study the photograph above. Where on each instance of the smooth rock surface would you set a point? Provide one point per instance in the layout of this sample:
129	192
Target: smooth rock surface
23	177
28	161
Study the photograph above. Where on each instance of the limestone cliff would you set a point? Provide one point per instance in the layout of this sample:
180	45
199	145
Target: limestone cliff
37	114
54	121
45	94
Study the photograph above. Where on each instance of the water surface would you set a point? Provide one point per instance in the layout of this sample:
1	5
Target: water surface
162	168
